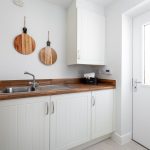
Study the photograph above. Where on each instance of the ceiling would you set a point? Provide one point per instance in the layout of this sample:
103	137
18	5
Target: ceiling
65	3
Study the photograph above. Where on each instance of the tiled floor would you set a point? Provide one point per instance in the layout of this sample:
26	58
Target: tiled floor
111	145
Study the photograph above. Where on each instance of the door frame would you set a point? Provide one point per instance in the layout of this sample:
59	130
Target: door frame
128	131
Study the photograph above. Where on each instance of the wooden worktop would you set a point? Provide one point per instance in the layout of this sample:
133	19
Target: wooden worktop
75	83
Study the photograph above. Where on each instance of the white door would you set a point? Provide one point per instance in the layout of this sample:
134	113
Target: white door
141	79
33	124
70	120
102	113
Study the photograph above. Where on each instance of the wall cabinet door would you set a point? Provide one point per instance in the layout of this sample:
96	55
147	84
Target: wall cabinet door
102	113
91	37
70	120
24	124
85	36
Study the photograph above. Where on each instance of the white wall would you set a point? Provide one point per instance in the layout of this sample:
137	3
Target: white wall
119	58
41	17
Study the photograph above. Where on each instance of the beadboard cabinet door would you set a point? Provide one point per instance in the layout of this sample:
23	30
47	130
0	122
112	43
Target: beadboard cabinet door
102	112
24	124
8	127
33	124
70	120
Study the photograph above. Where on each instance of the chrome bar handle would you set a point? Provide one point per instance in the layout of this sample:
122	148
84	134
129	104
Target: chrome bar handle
93	101
53	108
47	108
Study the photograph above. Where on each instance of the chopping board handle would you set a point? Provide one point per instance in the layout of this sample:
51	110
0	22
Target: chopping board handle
24	28
48	42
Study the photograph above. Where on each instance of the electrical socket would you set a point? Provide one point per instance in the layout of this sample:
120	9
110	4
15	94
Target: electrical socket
106	71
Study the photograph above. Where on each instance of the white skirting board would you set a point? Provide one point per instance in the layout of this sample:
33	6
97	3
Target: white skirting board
121	139
93	142
114	136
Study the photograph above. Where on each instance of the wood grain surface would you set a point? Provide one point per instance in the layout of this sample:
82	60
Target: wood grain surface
78	87
11	83
47	57
24	44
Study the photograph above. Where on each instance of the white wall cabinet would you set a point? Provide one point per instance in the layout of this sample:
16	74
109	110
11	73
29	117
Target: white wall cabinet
70	120
85	36
102	113
24	124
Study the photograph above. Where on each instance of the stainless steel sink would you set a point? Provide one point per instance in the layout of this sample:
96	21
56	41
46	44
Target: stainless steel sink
55	87
17	89
39	88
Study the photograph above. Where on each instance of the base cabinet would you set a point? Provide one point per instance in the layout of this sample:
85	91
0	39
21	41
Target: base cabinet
59	122
70	120
102	113
79	118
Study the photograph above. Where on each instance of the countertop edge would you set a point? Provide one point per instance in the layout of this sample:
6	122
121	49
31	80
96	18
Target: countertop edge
83	88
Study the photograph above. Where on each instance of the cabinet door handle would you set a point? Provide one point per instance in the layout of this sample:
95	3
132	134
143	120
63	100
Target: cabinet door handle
93	100
53	108
47	109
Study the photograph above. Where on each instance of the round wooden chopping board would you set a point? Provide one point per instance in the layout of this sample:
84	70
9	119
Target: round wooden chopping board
24	44
48	58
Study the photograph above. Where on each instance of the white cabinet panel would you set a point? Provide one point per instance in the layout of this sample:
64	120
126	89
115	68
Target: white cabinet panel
24	124
85	36
91	37
70	122
63	122
102	113
33	124
8	127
